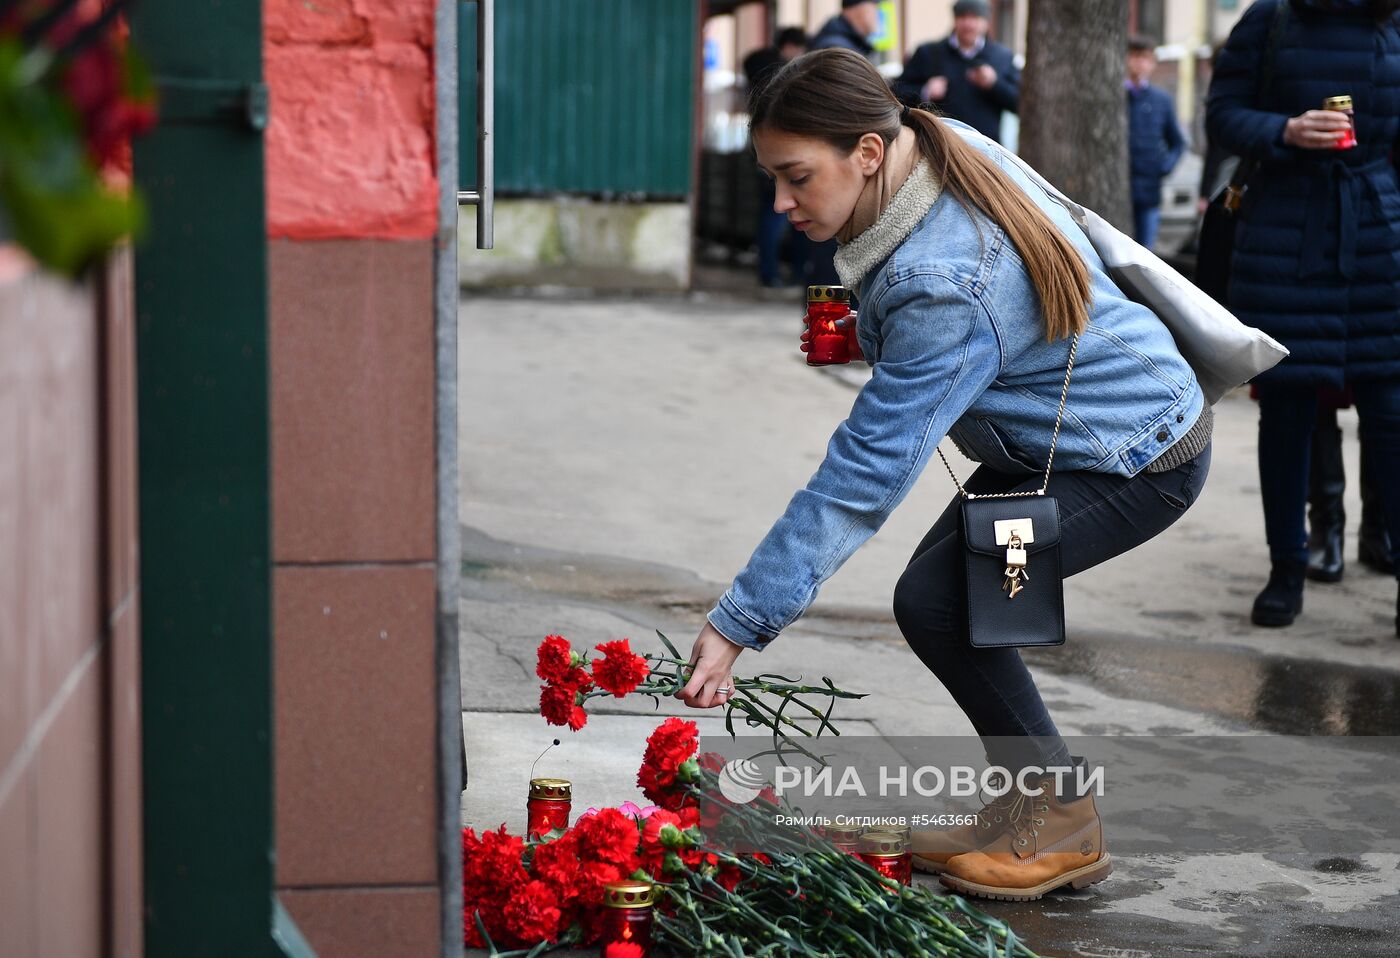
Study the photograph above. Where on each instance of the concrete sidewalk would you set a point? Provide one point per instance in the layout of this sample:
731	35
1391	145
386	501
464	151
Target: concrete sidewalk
621	460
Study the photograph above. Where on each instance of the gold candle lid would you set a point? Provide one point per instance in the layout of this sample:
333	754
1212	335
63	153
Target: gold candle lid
828	294
1337	103
846	834
558	789
629	894
882	843
905	832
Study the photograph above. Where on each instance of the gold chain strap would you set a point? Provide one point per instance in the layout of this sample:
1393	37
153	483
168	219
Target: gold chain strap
1054	441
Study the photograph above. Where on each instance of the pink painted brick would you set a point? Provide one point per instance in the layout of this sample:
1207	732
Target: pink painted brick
350	142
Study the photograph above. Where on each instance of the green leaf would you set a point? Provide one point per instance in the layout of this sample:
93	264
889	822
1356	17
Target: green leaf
667	642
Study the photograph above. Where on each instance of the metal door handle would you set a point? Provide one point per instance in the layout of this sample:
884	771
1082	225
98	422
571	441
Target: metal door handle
484	197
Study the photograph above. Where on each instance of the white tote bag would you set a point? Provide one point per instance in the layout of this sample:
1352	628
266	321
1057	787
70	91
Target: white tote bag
1224	352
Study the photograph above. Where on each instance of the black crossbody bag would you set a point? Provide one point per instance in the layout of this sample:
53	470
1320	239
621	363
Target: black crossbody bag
1006	538
1216	249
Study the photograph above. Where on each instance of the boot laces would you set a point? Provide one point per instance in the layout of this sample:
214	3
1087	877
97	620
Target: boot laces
1026	814
995	811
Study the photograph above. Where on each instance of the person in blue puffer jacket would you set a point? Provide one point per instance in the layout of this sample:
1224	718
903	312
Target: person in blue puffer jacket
1155	140
1317	249
977	288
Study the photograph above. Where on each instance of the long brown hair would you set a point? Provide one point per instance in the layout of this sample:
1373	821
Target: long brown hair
837	96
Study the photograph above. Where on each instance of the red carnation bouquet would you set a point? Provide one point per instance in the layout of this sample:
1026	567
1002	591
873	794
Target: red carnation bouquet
715	894
571	679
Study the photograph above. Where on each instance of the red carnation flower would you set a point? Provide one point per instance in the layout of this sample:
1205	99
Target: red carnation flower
671	744
577	679
620	670
728	876
593	875
559	706
608	836
557	863
664	832
532	914
554	658
578	718
491	866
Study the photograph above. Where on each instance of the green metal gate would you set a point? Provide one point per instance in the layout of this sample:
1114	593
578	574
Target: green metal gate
202	401
592	96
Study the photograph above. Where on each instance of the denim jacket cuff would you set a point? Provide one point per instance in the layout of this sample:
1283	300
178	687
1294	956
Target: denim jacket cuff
737	626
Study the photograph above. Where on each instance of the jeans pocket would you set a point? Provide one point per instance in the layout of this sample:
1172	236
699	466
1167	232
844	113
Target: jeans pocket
1176	502
1180	487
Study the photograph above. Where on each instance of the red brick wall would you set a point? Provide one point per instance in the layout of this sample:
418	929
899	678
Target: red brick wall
352	211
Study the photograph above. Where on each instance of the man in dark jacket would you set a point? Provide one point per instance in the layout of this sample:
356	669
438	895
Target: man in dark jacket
1155	141
967	76
851	29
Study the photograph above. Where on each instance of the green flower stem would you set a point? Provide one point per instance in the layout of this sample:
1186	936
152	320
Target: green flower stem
670	673
848	909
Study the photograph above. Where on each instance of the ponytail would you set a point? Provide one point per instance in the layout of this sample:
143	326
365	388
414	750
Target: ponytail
1056	269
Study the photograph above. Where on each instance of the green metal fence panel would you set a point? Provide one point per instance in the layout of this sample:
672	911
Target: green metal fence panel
202	406
592	96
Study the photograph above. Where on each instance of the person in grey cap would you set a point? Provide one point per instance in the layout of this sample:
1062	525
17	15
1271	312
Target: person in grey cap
965	76
851	29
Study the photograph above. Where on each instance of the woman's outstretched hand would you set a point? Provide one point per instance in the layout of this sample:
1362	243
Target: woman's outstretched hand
712	658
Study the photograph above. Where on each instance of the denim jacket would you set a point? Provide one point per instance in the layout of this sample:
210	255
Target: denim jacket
951	325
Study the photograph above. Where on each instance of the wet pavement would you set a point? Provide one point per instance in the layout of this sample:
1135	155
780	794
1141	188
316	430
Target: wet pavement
611	491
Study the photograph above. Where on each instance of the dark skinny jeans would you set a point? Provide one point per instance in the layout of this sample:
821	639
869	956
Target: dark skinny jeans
1286	420
1101	516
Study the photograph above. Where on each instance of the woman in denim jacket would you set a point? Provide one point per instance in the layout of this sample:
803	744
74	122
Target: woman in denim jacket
973	284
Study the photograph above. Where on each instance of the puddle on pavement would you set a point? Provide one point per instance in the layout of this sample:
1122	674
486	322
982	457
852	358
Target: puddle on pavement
1287	696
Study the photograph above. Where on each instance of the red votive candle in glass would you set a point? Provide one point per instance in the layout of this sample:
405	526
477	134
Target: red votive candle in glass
548	806
1342	104
626	931
827	343
887	854
844	837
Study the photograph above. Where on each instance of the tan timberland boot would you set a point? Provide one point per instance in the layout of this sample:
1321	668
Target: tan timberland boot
933	847
1048	844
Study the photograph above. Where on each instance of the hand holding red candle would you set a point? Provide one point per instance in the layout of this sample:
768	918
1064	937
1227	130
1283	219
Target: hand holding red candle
831	328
